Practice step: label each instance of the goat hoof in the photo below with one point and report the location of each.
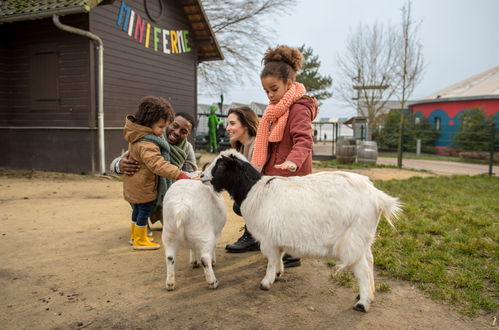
(264, 287)
(360, 308)
(213, 285)
(358, 297)
(195, 264)
(170, 286)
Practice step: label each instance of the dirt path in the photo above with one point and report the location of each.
(441, 167)
(66, 263)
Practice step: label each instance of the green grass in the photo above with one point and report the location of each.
(447, 241)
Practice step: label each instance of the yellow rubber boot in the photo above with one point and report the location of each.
(140, 241)
(132, 227)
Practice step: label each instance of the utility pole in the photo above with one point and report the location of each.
(364, 88)
(221, 104)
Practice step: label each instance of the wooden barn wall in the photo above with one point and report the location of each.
(21, 41)
(132, 71)
(45, 112)
(54, 128)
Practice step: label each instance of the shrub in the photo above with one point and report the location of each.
(387, 137)
(474, 132)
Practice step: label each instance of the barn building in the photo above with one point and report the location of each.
(63, 104)
(442, 108)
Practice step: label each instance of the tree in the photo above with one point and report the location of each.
(242, 37)
(410, 67)
(474, 132)
(367, 71)
(316, 85)
(387, 137)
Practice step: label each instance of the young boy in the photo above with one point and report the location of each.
(147, 145)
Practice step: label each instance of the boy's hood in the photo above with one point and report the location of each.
(134, 132)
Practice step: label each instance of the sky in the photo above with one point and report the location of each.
(460, 38)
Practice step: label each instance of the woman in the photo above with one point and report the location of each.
(242, 124)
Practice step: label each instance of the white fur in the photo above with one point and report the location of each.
(326, 215)
(193, 217)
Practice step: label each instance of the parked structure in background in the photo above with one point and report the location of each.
(49, 93)
(442, 108)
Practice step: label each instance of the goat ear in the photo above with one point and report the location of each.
(231, 160)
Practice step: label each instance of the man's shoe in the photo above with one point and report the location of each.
(245, 243)
(290, 261)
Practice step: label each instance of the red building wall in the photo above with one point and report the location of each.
(447, 113)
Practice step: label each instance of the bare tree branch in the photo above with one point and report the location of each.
(410, 66)
(367, 71)
(243, 38)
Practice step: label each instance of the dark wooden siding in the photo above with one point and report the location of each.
(31, 43)
(61, 150)
(132, 71)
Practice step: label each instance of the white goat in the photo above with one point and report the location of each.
(193, 216)
(328, 214)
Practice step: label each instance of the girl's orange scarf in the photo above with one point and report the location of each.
(272, 125)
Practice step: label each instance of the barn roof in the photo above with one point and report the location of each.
(480, 86)
(20, 10)
(208, 48)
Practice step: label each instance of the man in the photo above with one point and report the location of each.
(176, 135)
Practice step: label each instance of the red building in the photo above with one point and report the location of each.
(442, 108)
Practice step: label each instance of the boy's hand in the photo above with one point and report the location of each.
(287, 165)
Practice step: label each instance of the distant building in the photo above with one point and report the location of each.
(332, 127)
(442, 108)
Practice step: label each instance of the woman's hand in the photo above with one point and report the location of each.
(128, 166)
(287, 165)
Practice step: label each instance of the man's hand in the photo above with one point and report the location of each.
(287, 165)
(128, 166)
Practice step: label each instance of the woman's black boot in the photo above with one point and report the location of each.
(245, 243)
(290, 261)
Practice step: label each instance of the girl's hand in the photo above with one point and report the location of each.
(287, 165)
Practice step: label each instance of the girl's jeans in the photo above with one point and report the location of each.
(140, 213)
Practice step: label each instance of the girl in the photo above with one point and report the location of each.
(283, 144)
(242, 124)
(147, 145)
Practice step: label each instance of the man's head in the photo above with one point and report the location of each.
(180, 128)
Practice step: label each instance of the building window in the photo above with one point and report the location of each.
(44, 80)
(437, 123)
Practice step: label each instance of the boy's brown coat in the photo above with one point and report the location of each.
(142, 187)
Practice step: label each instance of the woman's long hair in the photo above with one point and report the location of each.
(248, 119)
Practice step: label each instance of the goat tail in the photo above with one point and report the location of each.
(390, 207)
(179, 214)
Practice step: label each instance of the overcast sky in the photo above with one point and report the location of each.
(460, 38)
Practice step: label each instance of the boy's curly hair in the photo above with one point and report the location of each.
(152, 109)
(283, 62)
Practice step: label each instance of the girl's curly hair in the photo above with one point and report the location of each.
(283, 62)
(152, 109)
